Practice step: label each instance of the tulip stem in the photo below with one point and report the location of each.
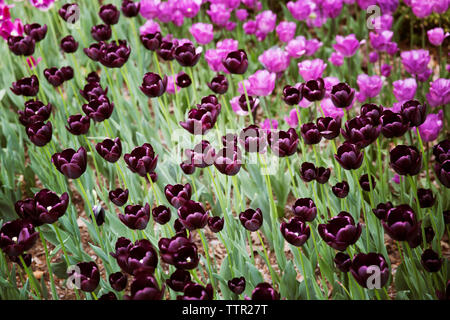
(363, 205)
(155, 58)
(208, 260)
(247, 100)
(194, 274)
(250, 244)
(30, 277)
(153, 188)
(292, 177)
(47, 261)
(165, 113)
(177, 110)
(194, 88)
(273, 275)
(63, 100)
(304, 274)
(238, 193)
(419, 212)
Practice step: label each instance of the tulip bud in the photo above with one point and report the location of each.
(236, 62)
(430, 261)
(264, 291)
(99, 214)
(296, 231)
(178, 280)
(78, 124)
(136, 217)
(329, 127)
(291, 95)
(110, 150)
(118, 281)
(362, 269)
(109, 14)
(342, 95)
(152, 85)
(71, 163)
(187, 55)
(219, 84)
(314, 90)
(161, 214)
(414, 112)
(192, 215)
(340, 231)
(130, 9)
(36, 31)
(382, 209)
(349, 156)
(237, 285)
(215, 224)
(406, 160)
(101, 32)
(310, 133)
(68, 44)
(87, 275)
(251, 219)
(343, 262)
(364, 182)
(40, 133)
(26, 86)
(341, 189)
(118, 196)
(21, 46)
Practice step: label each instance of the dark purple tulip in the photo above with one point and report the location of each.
(426, 198)
(114, 55)
(230, 140)
(198, 122)
(93, 91)
(446, 216)
(215, 224)
(310, 133)
(362, 272)
(151, 41)
(40, 133)
(340, 231)
(406, 160)
(94, 51)
(187, 55)
(236, 62)
(68, 44)
(67, 73)
(329, 127)
(202, 155)
(429, 234)
(28, 87)
(27, 258)
(253, 139)
(219, 84)
(188, 168)
(17, 236)
(21, 46)
(118, 196)
(99, 215)
(314, 90)
(178, 280)
(349, 156)
(70, 12)
(109, 14)
(360, 131)
(323, 175)
(145, 287)
(87, 275)
(441, 151)
(194, 291)
(130, 8)
(264, 291)
(179, 252)
(142, 160)
(71, 163)
(161, 214)
(372, 111)
(93, 77)
(342, 262)
(341, 189)
(364, 182)
(251, 219)
(211, 104)
(283, 143)
(26, 209)
(430, 261)
(101, 32)
(382, 209)
(296, 231)
(136, 217)
(54, 76)
(166, 49)
(237, 285)
(414, 112)
(393, 124)
(35, 31)
(34, 111)
(400, 223)
(152, 85)
(178, 194)
(78, 124)
(118, 281)
(134, 257)
(183, 80)
(308, 171)
(110, 296)
(442, 172)
(99, 109)
(342, 95)
(192, 215)
(48, 207)
(180, 229)
(291, 95)
(228, 161)
(110, 150)
(446, 294)
(305, 209)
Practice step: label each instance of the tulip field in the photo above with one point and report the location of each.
(224, 150)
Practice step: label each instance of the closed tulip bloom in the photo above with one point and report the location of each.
(118, 281)
(192, 215)
(178, 194)
(110, 150)
(178, 280)
(202, 155)
(47, 207)
(109, 14)
(342, 95)
(446, 216)
(87, 275)
(99, 109)
(343, 262)
(305, 209)
(430, 261)
(130, 8)
(349, 156)
(323, 175)
(179, 252)
(251, 219)
(71, 163)
(308, 171)
(183, 80)
(310, 133)
(101, 32)
(161, 214)
(296, 231)
(283, 143)
(194, 291)
(406, 160)
(114, 55)
(118, 196)
(70, 12)
(441, 151)
(340, 231)
(414, 112)
(291, 95)
(152, 85)
(426, 198)
(78, 124)
(21, 46)
(236, 62)
(442, 171)
(237, 285)
(167, 50)
(17, 236)
(199, 121)
(54, 76)
(219, 84)
(400, 223)
(26, 86)
(364, 182)
(67, 73)
(264, 291)
(314, 90)
(99, 215)
(151, 41)
(68, 44)
(382, 209)
(94, 51)
(40, 133)
(362, 269)
(242, 104)
(134, 257)
(361, 131)
(341, 189)
(145, 287)
(142, 160)
(373, 112)
(215, 224)
(93, 90)
(187, 55)
(228, 161)
(136, 217)
(329, 127)
(36, 31)
(393, 124)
